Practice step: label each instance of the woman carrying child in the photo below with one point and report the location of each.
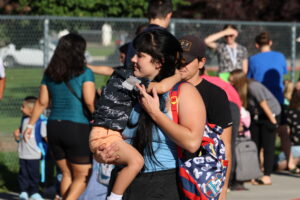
(151, 129)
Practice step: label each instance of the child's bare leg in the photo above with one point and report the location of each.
(134, 163)
(95, 139)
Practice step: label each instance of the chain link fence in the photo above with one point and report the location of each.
(27, 44)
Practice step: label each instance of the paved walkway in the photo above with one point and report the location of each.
(285, 187)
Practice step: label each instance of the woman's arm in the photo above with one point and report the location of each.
(102, 70)
(89, 92)
(39, 107)
(245, 66)
(191, 112)
(210, 40)
(266, 108)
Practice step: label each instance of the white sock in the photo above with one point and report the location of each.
(114, 196)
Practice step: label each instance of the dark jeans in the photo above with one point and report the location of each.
(263, 133)
(29, 176)
(235, 115)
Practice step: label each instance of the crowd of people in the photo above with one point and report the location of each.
(124, 144)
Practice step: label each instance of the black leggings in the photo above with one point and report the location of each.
(263, 133)
(160, 185)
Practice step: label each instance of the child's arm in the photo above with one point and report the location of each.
(165, 85)
(17, 134)
(102, 70)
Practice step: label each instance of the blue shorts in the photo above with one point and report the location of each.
(295, 152)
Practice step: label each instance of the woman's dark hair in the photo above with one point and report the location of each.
(229, 26)
(262, 39)
(68, 60)
(124, 48)
(295, 100)
(164, 48)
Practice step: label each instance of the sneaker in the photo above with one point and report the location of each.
(23, 196)
(36, 196)
(57, 197)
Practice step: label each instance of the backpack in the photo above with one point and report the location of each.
(42, 145)
(247, 163)
(202, 176)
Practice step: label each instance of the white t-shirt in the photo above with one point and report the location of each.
(2, 70)
(30, 150)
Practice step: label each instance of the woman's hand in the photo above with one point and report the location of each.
(107, 154)
(27, 134)
(273, 120)
(149, 103)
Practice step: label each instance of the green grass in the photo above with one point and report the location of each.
(102, 50)
(20, 83)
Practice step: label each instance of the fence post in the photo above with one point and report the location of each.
(293, 52)
(46, 42)
(172, 27)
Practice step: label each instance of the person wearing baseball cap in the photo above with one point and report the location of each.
(215, 99)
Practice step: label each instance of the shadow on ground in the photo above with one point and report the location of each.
(8, 178)
(9, 196)
(287, 173)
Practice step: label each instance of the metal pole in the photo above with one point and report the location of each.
(293, 53)
(46, 42)
(172, 27)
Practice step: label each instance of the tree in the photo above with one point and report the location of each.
(94, 8)
(250, 10)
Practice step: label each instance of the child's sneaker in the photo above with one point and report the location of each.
(23, 196)
(36, 196)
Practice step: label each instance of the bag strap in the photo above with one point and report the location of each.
(77, 97)
(174, 102)
(72, 90)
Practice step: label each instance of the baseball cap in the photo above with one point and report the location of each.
(192, 48)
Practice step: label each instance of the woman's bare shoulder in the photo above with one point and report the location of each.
(188, 88)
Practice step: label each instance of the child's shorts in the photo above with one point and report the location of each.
(100, 135)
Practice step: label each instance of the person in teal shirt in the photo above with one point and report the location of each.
(68, 86)
(65, 105)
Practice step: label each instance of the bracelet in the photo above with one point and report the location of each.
(29, 126)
